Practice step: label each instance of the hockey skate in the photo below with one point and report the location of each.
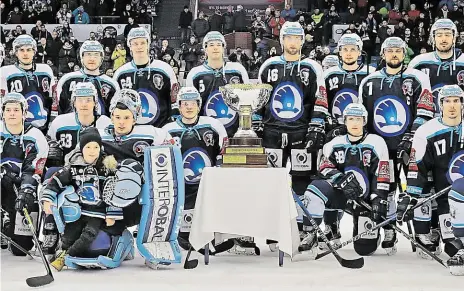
(332, 232)
(435, 237)
(309, 243)
(245, 246)
(389, 242)
(424, 240)
(456, 263)
(58, 262)
(5, 224)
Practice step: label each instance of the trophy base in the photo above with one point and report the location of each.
(244, 152)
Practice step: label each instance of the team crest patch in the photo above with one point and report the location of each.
(407, 87)
(366, 156)
(105, 91)
(158, 81)
(384, 172)
(139, 147)
(460, 78)
(45, 85)
(426, 101)
(304, 75)
(208, 138)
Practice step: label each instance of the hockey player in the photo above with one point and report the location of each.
(295, 115)
(63, 136)
(208, 77)
(354, 167)
(34, 81)
(443, 66)
(23, 151)
(156, 82)
(91, 54)
(438, 147)
(200, 139)
(86, 172)
(342, 81)
(398, 101)
(329, 62)
(63, 132)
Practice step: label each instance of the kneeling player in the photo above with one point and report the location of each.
(354, 167)
(200, 139)
(438, 147)
(23, 151)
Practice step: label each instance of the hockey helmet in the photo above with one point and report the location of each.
(131, 99)
(14, 97)
(214, 36)
(330, 61)
(85, 89)
(24, 40)
(355, 109)
(291, 28)
(188, 93)
(393, 42)
(450, 91)
(138, 32)
(443, 24)
(91, 46)
(350, 39)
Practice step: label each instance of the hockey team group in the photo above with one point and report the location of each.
(74, 153)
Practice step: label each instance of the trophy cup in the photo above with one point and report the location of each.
(245, 148)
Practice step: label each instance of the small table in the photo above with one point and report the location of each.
(256, 202)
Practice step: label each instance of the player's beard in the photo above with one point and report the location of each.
(445, 50)
(394, 66)
(292, 51)
(350, 63)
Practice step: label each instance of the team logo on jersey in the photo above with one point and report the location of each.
(208, 138)
(139, 148)
(391, 116)
(158, 81)
(217, 108)
(234, 80)
(105, 91)
(361, 177)
(460, 78)
(287, 102)
(45, 85)
(456, 167)
(366, 156)
(150, 106)
(407, 87)
(435, 91)
(195, 160)
(36, 113)
(342, 99)
(304, 75)
(90, 194)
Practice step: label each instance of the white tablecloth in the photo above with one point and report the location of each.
(253, 202)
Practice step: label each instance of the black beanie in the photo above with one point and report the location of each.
(88, 135)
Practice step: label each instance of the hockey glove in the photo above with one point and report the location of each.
(55, 154)
(337, 131)
(25, 199)
(8, 177)
(404, 210)
(315, 137)
(349, 185)
(379, 209)
(404, 147)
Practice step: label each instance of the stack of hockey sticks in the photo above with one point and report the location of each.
(386, 222)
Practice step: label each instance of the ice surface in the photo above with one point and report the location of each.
(404, 271)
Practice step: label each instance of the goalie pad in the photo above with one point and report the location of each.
(118, 248)
(67, 208)
(125, 188)
(162, 203)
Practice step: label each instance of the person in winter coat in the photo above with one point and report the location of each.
(67, 54)
(200, 26)
(190, 53)
(288, 13)
(80, 16)
(240, 19)
(229, 20)
(216, 21)
(119, 56)
(185, 24)
(276, 23)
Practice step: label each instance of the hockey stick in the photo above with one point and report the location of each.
(355, 238)
(352, 264)
(409, 237)
(408, 224)
(17, 245)
(39, 280)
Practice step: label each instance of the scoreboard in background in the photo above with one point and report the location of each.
(250, 6)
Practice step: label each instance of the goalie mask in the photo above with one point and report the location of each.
(131, 99)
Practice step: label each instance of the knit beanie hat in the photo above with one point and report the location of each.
(88, 135)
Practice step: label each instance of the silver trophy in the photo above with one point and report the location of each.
(246, 99)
